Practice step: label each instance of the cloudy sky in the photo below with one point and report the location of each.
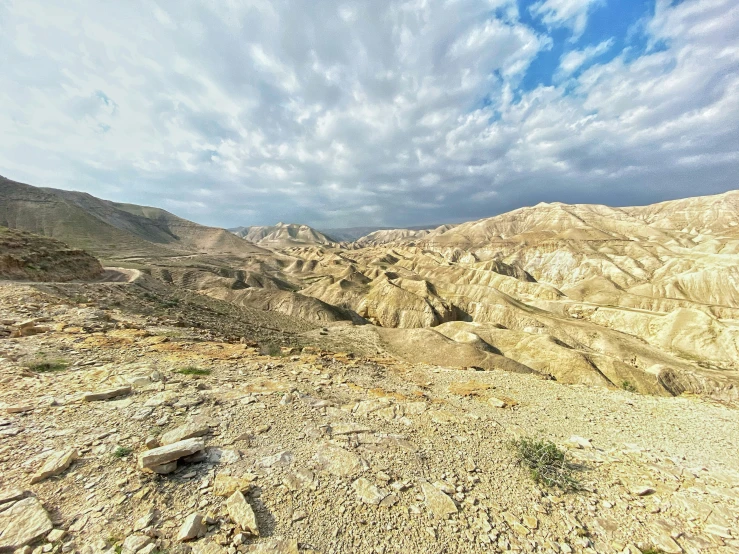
(382, 112)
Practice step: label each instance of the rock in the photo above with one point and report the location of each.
(367, 492)
(22, 523)
(191, 429)
(106, 394)
(226, 485)
(55, 464)
(193, 527)
(275, 546)
(299, 479)
(241, 513)
(170, 453)
(10, 495)
(145, 521)
(579, 442)
(469, 465)
(164, 469)
(207, 547)
(719, 531)
(530, 522)
(19, 408)
(56, 535)
(337, 461)
(643, 490)
(134, 543)
(496, 402)
(348, 428)
(437, 502)
(279, 459)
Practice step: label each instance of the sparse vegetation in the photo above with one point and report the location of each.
(193, 370)
(628, 386)
(546, 462)
(48, 365)
(652, 550)
(122, 452)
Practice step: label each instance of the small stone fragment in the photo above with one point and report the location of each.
(241, 513)
(437, 502)
(337, 461)
(170, 453)
(496, 402)
(106, 394)
(275, 546)
(55, 464)
(56, 535)
(643, 490)
(134, 543)
(367, 492)
(192, 429)
(226, 485)
(193, 527)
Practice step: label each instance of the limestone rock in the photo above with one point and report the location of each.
(337, 461)
(241, 513)
(170, 453)
(22, 523)
(107, 394)
(55, 464)
(367, 492)
(207, 547)
(226, 485)
(275, 546)
(134, 543)
(437, 502)
(193, 527)
(192, 429)
(10, 495)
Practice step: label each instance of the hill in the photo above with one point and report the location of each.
(110, 229)
(283, 235)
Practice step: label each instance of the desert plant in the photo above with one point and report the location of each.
(122, 452)
(628, 386)
(546, 462)
(47, 366)
(192, 370)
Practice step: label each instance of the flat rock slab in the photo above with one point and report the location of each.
(275, 546)
(106, 394)
(55, 464)
(170, 453)
(367, 492)
(226, 485)
(242, 514)
(193, 527)
(11, 495)
(337, 461)
(437, 502)
(22, 523)
(191, 429)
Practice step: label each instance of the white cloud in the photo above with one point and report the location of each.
(345, 113)
(574, 59)
(566, 13)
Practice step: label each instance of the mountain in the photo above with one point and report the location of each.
(388, 236)
(351, 234)
(110, 229)
(283, 235)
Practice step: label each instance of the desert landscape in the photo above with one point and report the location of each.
(559, 378)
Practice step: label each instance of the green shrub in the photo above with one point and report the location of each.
(628, 386)
(122, 452)
(192, 370)
(47, 366)
(546, 462)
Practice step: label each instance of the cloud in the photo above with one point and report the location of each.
(574, 59)
(566, 13)
(348, 113)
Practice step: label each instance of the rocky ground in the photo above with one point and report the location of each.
(125, 431)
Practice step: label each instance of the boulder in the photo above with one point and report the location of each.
(22, 523)
(150, 459)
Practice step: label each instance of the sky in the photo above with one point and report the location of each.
(385, 112)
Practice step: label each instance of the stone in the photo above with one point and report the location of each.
(191, 429)
(643, 490)
(107, 394)
(164, 469)
(22, 523)
(145, 521)
(207, 547)
(226, 485)
(437, 502)
(496, 402)
(579, 442)
(241, 513)
(719, 531)
(298, 479)
(469, 465)
(337, 461)
(19, 408)
(348, 428)
(134, 543)
(275, 546)
(55, 464)
(170, 453)
(367, 492)
(530, 522)
(193, 527)
(280, 459)
(11, 495)
(56, 535)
